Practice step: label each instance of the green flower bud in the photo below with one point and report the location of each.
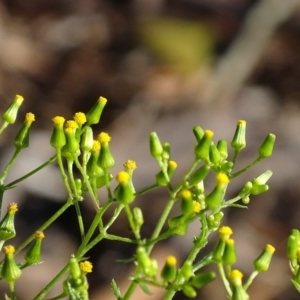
(199, 133)
(238, 292)
(214, 155)
(222, 147)
(263, 178)
(58, 139)
(202, 279)
(22, 138)
(266, 148)
(203, 147)
(293, 244)
(187, 206)
(215, 199)
(123, 191)
(226, 166)
(138, 218)
(94, 114)
(187, 270)
(152, 270)
(160, 176)
(33, 255)
(71, 149)
(246, 189)
(224, 233)
(143, 259)
(156, 149)
(168, 273)
(259, 189)
(101, 181)
(10, 114)
(262, 263)
(179, 224)
(105, 160)
(167, 152)
(199, 175)
(7, 227)
(10, 270)
(189, 291)
(92, 168)
(239, 139)
(229, 255)
(87, 140)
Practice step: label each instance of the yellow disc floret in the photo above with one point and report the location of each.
(236, 274)
(86, 266)
(58, 120)
(241, 122)
(222, 178)
(80, 118)
(270, 248)
(123, 177)
(172, 164)
(104, 137)
(9, 249)
(209, 133)
(186, 194)
(29, 118)
(19, 99)
(102, 100)
(225, 231)
(12, 207)
(71, 124)
(130, 164)
(196, 207)
(39, 235)
(171, 260)
(96, 147)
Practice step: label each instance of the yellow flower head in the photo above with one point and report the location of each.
(225, 231)
(58, 120)
(270, 248)
(19, 99)
(102, 100)
(222, 178)
(172, 164)
(86, 266)
(171, 260)
(12, 207)
(71, 124)
(9, 249)
(29, 118)
(130, 165)
(123, 177)
(196, 207)
(39, 235)
(80, 118)
(241, 122)
(96, 146)
(104, 137)
(208, 133)
(236, 274)
(186, 194)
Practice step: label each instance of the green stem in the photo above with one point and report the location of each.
(131, 223)
(147, 189)
(45, 225)
(246, 168)
(250, 280)
(224, 279)
(4, 125)
(9, 165)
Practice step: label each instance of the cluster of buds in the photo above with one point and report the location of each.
(293, 253)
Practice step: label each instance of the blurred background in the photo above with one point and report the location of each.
(164, 66)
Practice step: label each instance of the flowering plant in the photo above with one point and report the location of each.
(85, 166)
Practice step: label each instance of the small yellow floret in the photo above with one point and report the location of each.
(96, 147)
(80, 118)
(29, 118)
(123, 177)
(130, 164)
(225, 231)
(222, 178)
(19, 99)
(242, 122)
(39, 235)
(270, 248)
(186, 194)
(102, 100)
(86, 266)
(196, 207)
(9, 249)
(12, 207)
(230, 242)
(69, 130)
(171, 260)
(71, 124)
(208, 133)
(58, 120)
(172, 164)
(236, 274)
(104, 137)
